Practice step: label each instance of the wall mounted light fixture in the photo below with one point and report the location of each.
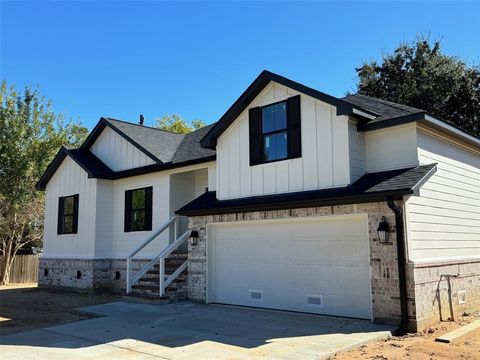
(383, 230)
(193, 238)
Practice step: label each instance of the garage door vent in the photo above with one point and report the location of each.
(256, 295)
(314, 300)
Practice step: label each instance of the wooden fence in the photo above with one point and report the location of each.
(24, 269)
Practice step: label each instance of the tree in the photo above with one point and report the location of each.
(30, 136)
(420, 75)
(177, 124)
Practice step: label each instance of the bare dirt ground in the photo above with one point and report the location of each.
(423, 345)
(25, 307)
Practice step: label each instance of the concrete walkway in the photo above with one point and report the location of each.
(192, 331)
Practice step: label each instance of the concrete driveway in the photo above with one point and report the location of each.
(192, 331)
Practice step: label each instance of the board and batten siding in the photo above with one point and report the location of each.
(112, 241)
(325, 152)
(70, 179)
(357, 151)
(391, 148)
(444, 221)
(118, 153)
(104, 219)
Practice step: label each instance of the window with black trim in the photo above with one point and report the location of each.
(275, 131)
(138, 209)
(67, 215)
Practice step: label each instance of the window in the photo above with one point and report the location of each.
(274, 132)
(67, 215)
(138, 209)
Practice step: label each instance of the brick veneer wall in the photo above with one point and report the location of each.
(96, 274)
(383, 257)
(436, 287)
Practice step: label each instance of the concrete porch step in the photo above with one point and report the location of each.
(180, 279)
(175, 255)
(171, 263)
(153, 287)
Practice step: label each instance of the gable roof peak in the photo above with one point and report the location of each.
(254, 89)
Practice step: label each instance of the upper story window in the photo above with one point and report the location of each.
(275, 132)
(67, 215)
(138, 209)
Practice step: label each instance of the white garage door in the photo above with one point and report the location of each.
(316, 265)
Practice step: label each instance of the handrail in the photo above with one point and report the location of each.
(131, 280)
(165, 252)
(174, 275)
(151, 238)
(163, 283)
(173, 246)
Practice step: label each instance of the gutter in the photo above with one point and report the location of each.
(401, 254)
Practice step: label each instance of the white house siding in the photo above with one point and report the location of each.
(212, 176)
(325, 152)
(357, 151)
(444, 221)
(70, 179)
(391, 148)
(104, 221)
(117, 153)
(111, 240)
(201, 182)
(125, 242)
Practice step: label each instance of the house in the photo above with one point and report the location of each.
(294, 200)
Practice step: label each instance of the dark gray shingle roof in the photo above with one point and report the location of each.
(84, 158)
(91, 164)
(162, 144)
(384, 109)
(190, 147)
(167, 146)
(369, 188)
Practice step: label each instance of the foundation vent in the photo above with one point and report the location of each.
(256, 295)
(314, 300)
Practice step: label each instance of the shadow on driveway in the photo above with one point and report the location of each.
(187, 329)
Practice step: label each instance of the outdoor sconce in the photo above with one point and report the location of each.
(383, 230)
(193, 238)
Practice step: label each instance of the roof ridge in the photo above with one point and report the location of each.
(388, 102)
(144, 126)
(203, 127)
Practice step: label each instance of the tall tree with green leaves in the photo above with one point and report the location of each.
(30, 136)
(177, 124)
(419, 74)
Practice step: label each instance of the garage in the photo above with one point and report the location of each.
(316, 265)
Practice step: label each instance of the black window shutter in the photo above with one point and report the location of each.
(60, 215)
(148, 208)
(75, 213)
(294, 127)
(128, 211)
(255, 130)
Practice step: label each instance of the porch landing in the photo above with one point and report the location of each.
(194, 331)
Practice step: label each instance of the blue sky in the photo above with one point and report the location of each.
(122, 59)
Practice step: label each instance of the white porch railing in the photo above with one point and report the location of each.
(163, 283)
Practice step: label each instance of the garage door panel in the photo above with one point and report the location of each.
(333, 304)
(292, 252)
(348, 279)
(287, 260)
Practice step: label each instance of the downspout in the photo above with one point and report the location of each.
(399, 230)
